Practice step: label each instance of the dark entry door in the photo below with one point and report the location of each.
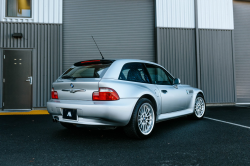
(17, 79)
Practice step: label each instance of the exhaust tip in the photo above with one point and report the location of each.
(56, 119)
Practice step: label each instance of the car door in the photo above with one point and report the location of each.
(173, 98)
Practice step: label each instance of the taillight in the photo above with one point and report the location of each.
(105, 94)
(54, 94)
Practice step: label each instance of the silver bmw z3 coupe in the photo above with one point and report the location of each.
(128, 93)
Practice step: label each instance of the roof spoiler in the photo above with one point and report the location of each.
(95, 61)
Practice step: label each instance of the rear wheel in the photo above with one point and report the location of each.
(68, 125)
(142, 121)
(199, 108)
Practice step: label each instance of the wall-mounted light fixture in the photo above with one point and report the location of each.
(17, 35)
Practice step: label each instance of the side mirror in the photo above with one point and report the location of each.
(177, 81)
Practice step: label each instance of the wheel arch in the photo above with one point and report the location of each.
(152, 99)
(201, 93)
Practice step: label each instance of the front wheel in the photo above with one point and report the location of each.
(142, 121)
(199, 108)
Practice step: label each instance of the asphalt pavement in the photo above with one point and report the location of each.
(36, 140)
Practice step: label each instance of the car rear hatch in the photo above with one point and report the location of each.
(81, 80)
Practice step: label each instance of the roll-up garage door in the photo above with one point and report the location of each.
(121, 28)
(242, 50)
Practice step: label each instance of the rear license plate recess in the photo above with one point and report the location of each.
(70, 114)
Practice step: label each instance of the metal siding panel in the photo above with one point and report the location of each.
(61, 50)
(35, 11)
(60, 14)
(242, 50)
(178, 56)
(40, 13)
(122, 29)
(46, 11)
(1, 34)
(51, 12)
(46, 62)
(175, 13)
(1, 11)
(49, 60)
(45, 42)
(56, 9)
(1, 74)
(214, 14)
(217, 66)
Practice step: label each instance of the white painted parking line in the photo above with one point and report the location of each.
(227, 122)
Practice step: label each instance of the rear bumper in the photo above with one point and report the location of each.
(94, 113)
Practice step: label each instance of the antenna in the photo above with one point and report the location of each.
(97, 47)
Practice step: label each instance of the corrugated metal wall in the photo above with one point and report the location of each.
(176, 52)
(177, 47)
(45, 41)
(1, 76)
(122, 29)
(1, 9)
(47, 11)
(216, 57)
(242, 50)
(215, 14)
(175, 13)
(43, 11)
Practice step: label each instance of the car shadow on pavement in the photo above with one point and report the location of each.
(88, 133)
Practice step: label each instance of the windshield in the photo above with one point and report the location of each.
(86, 71)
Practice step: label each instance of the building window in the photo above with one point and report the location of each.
(18, 8)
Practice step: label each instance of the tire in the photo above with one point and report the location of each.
(142, 121)
(199, 108)
(68, 125)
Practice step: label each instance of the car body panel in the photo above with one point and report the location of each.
(178, 101)
(82, 88)
(116, 113)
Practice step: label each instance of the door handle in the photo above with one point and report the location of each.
(164, 91)
(29, 80)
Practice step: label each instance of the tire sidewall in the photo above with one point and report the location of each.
(199, 95)
(135, 118)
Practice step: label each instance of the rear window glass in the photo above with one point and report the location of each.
(86, 71)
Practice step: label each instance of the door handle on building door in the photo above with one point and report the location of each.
(29, 80)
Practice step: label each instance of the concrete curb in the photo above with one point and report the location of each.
(33, 112)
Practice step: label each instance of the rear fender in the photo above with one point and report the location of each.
(132, 90)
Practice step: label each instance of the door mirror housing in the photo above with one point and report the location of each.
(177, 81)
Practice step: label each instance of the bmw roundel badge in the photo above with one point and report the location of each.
(72, 86)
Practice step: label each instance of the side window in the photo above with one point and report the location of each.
(159, 75)
(134, 72)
